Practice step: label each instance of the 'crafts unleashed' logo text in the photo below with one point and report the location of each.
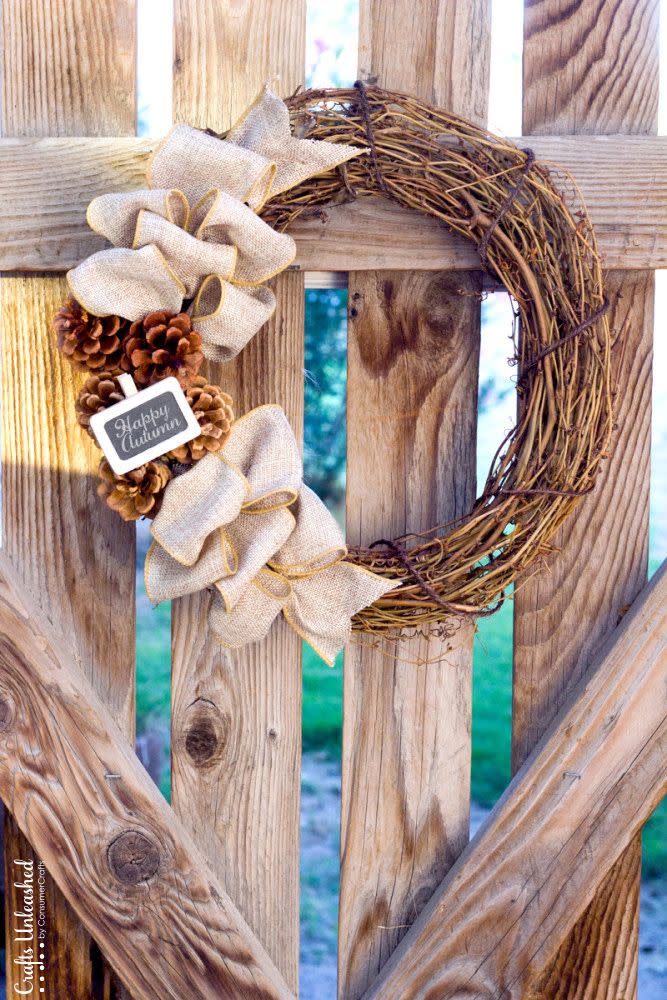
(29, 930)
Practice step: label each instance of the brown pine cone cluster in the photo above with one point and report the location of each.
(135, 494)
(160, 345)
(89, 342)
(213, 409)
(99, 391)
(151, 349)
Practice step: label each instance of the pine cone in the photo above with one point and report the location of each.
(213, 409)
(162, 344)
(134, 494)
(89, 342)
(99, 391)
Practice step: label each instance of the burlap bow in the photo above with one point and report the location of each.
(242, 523)
(194, 234)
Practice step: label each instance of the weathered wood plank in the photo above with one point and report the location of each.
(69, 68)
(46, 184)
(61, 76)
(603, 550)
(406, 731)
(590, 68)
(123, 860)
(593, 68)
(242, 802)
(412, 384)
(581, 797)
(560, 617)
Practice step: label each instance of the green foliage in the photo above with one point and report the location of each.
(325, 391)
(153, 662)
(654, 844)
(154, 675)
(325, 348)
(322, 703)
(492, 706)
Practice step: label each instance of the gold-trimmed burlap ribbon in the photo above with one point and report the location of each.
(195, 233)
(242, 523)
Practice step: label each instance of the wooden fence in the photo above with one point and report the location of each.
(546, 898)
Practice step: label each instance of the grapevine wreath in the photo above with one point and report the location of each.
(185, 281)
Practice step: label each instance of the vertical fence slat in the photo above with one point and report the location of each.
(593, 68)
(242, 803)
(67, 69)
(412, 389)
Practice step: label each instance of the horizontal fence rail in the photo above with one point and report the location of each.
(46, 185)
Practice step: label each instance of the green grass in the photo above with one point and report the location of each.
(492, 706)
(323, 709)
(492, 689)
(153, 663)
(154, 676)
(322, 703)
(491, 729)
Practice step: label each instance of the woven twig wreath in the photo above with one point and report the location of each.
(545, 256)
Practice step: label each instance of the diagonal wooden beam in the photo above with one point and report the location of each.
(118, 853)
(589, 786)
(46, 184)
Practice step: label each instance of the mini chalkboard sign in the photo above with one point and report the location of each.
(146, 424)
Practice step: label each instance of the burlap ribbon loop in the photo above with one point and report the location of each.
(239, 522)
(259, 158)
(228, 317)
(242, 523)
(195, 234)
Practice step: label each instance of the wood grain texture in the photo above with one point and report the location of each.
(593, 68)
(590, 67)
(536, 862)
(616, 903)
(46, 185)
(61, 76)
(240, 797)
(243, 805)
(117, 851)
(434, 50)
(600, 567)
(68, 67)
(603, 548)
(413, 360)
(226, 50)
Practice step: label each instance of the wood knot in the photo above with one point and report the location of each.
(133, 857)
(206, 733)
(201, 742)
(6, 711)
